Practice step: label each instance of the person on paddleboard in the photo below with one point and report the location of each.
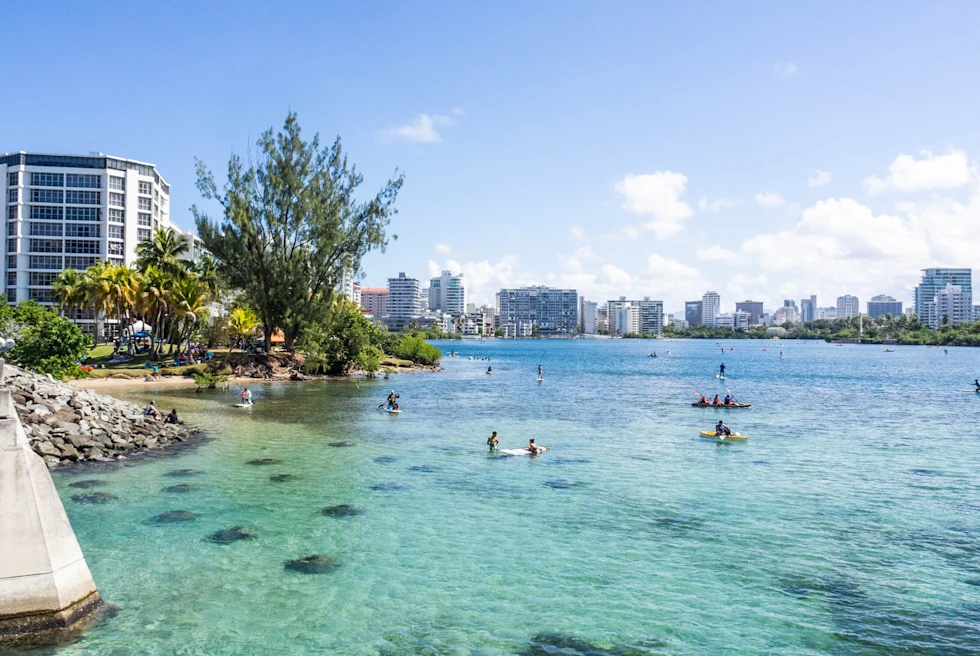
(976, 381)
(540, 372)
(534, 448)
(721, 369)
(492, 441)
(392, 401)
(246, 396)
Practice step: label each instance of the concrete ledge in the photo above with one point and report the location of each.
(50, 626)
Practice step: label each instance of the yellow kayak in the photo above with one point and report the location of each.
(733, 436)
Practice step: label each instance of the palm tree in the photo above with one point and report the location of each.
(69, 290)
(124, 288)
(157, 302)
(241, 322)
(164, 250)
(189, 306)
(98, 285)
(206, 269)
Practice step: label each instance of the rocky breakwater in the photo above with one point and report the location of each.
(67, 425)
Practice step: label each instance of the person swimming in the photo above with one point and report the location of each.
(492, 441)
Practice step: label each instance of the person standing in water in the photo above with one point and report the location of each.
(492, 442)
(540, 373)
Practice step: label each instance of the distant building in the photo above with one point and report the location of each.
(738, 321)
(787, 313)
(910, 312)
(692, 313)
(350, 288)
(404, 302)
(754, 309)
(808, 309)
(447, 294)
(976, 313)
(627, 320)
(883, 305)
(550, 311)
(710, 307)
(588, 317)
(848, 306)
(375, 300)
(935, 282)
(649, 316)
(829, 313)
(680, 324)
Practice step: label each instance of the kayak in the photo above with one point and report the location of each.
(730, 405)
(520, 452)
(733, 436)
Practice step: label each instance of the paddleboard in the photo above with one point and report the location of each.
(733, 436)
(520, 452)
(244, 405)
(392, 411)
(540, 380)
(969, 390)
(719, 377)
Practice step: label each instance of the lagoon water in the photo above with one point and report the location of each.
(848, 524)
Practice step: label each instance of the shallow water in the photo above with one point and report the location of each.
(849, 523)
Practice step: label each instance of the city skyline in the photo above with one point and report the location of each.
(750, 180)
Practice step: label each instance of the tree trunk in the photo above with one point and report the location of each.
(267, 331)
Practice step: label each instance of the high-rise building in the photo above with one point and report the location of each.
(404, 301)
(69, 211)
(693, 312)
(627, 320)
(829, 313)
(976, 313)
(952, 305)
(588, 317)
(447, 294)
(754, 309)
(808, 309)
(882, 305)
(935, 281)
(650, 316)
(710, 307)
(786, 313)
(848, 306)
(546, 310)
(375, 300)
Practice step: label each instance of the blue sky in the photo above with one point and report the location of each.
(766, 150)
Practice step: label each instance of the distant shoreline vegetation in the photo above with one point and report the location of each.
(880, 330)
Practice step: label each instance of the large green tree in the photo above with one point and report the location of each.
(292, 225)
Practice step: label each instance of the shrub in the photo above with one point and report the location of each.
(47, 343)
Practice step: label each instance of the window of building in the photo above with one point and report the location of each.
(144, 204)
(12, 245)
(156, 209)
(83, 197)
(12, 229)
(11, 279)
(156, 195)
(80, 263)
(45, 245)
(13, 179)
(42, 278)
(115, 248)
(116, 261)
(46, 213)
(83, 230)
(115, 232)
(11, 261)
(80, 246)
(45, 229)
(82, 213)
(45, 262)
(13, 195)
(83, 180)
(117, 216)
(11, 295)
(42, 295)
(143, 219)
(12, 211)
(47, 180)
(47, 196)
(142, 234)
(145, 187)
(117, 184)
(117, 200)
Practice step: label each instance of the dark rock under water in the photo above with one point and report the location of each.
(385, 460)
(388, 487)
(339, 445)
(263, 461)
(183, 473)
(282, 478)
(233, 534)
(94, 497)
(343, 510)
(557, 644)
(561, 484)
(182, 488)
(424, 469)
(175, 516)
(315, 564)
(91, 482)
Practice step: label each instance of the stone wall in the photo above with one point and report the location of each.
(67, 425)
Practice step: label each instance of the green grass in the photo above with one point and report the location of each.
(99, 357)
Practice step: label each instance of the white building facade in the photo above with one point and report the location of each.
(848, 306)
(69, 211)
(547, 310)
(404, 302)
(589, 317)
(447, 294)
(710, 307)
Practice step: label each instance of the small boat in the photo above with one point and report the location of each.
(698, 404)
(888, 350)
(733, 436)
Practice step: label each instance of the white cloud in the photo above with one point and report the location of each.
(818, 179)
(718, 204)
(714, 253)
(907, 173)
(657, 195)
(769, 199)
(423, 128)
(443, 249)
(576, 232)
(785, 69)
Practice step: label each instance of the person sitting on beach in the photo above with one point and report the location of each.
(492, 441)
(151, 411)
(172, 417)
(716, 401)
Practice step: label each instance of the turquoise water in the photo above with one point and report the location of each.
(848, 524)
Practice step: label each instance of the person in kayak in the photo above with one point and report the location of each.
(492, 441)
(728, 399)
(721, 430)
(704, 400)
(721, 369)
(716, 401)
(534, 448)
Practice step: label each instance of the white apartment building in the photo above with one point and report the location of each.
(404, 302)
(951, 304)
(447, 294)
(934, 282)
(69, 211)
(710, 307)
(848, 306)
(589, 317)
(784, 314)
(627, 320)
(650, 321)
